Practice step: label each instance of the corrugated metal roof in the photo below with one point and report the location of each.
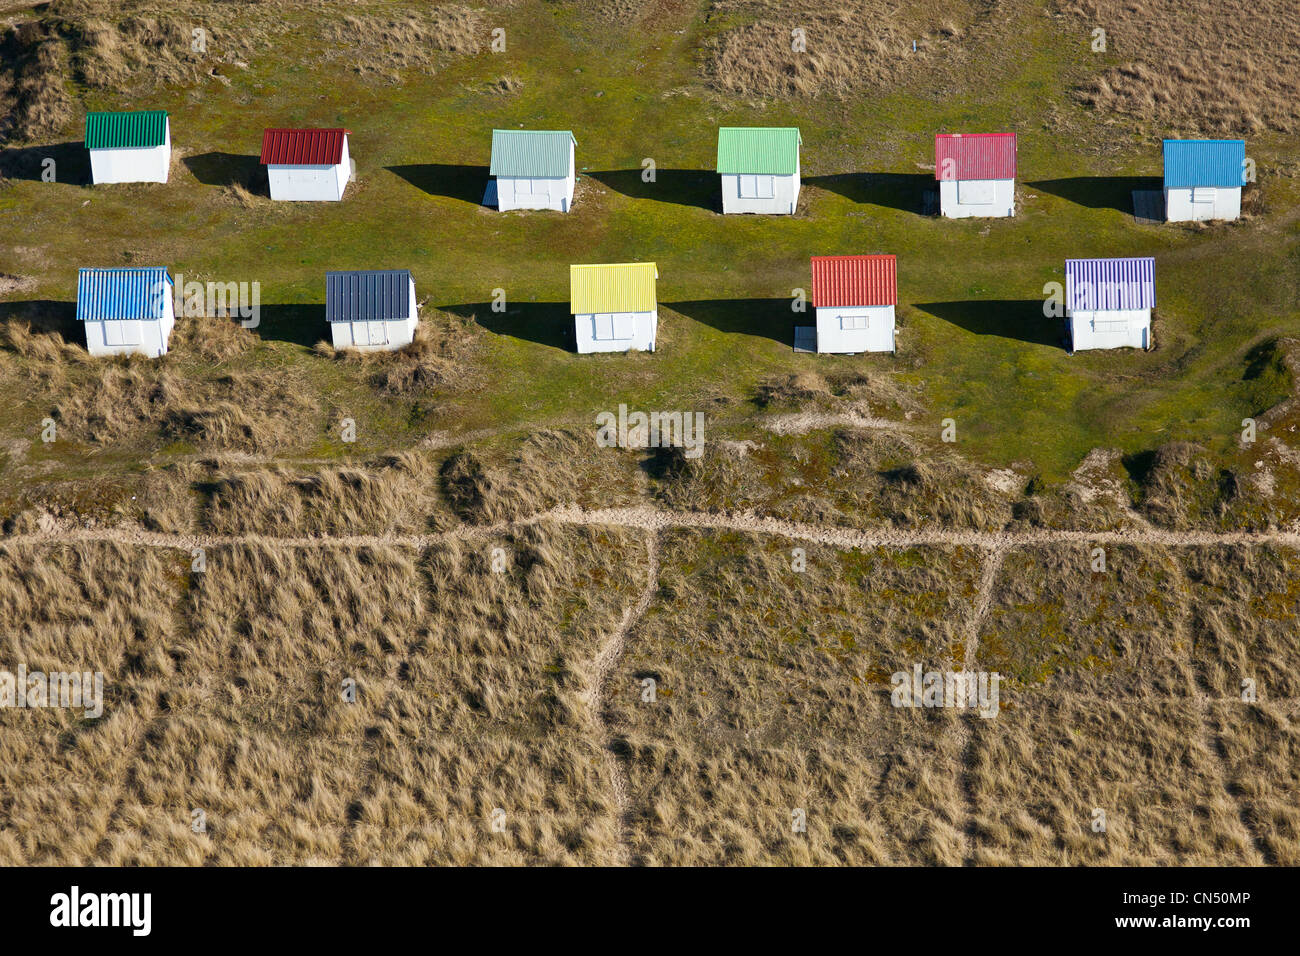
(122, 293)
(531, 153)
(974, 156)
(1102, 284)
(303, 147)
(1204, 162)
(854, 281)
(372, 295)
(612, 287)
(759, 150)
(138, 130)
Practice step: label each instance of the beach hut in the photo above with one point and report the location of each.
(126, 311)
(976, 173)
(854, 299)
(759, 167)
(1203, 179)
(131, 147)
(307, 165)
(1108, 302)
(533, 168)
(614, 306)
(371, 310)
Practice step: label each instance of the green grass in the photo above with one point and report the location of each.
(972, 342)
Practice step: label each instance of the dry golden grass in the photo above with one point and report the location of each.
(438, 356)
(384, 44)
(1041, 768)
(139, 51)
(1234, 72)
(47, 349)
(543, 470)
(138, 396)
(83, 608)
(1261, 753)
(1182, 486)
(34, 101)
(745, 649)
(392, 497)
(847, 49)
(772, 693)
(469, 697)
(430, 800)
(1053, 620)
(106, 44)
(698, 803)
(1244, 603)
(473, 694)
(224, 694)
(100, 402)
(834, 475)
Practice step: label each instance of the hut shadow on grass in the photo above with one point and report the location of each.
(466, 183)
(228, 169)
(683, 187)
(1099, 192)
(303, 325)
(768, 318)
(71, 163)
(1019, 319)
(545, 323)
(903, 191)
(44, 315)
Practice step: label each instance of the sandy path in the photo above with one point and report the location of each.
(651, 519)
(962, 725)
(602, 671)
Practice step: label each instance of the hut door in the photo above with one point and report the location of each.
(378, 333)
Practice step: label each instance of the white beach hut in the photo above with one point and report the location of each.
(614, 306)
(372, 310)
(126, 311)
(759, 168)
(854, 298)
(534, 169)
(1203, 179)
(976, 173)
(131, 147)
(307, 165)
(1108, 302)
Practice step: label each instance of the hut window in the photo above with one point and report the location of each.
(623, 325)
(756, 187)
(121, 332)
(975, 192)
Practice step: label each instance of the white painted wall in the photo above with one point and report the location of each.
(986, 198)
(147, 337)
(863, 328)
(617, 331)
(776, 195)
(1212, 203)
(1110, 329)
(323, 183)
(542, 193)
(145, 165)
(379, 335)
